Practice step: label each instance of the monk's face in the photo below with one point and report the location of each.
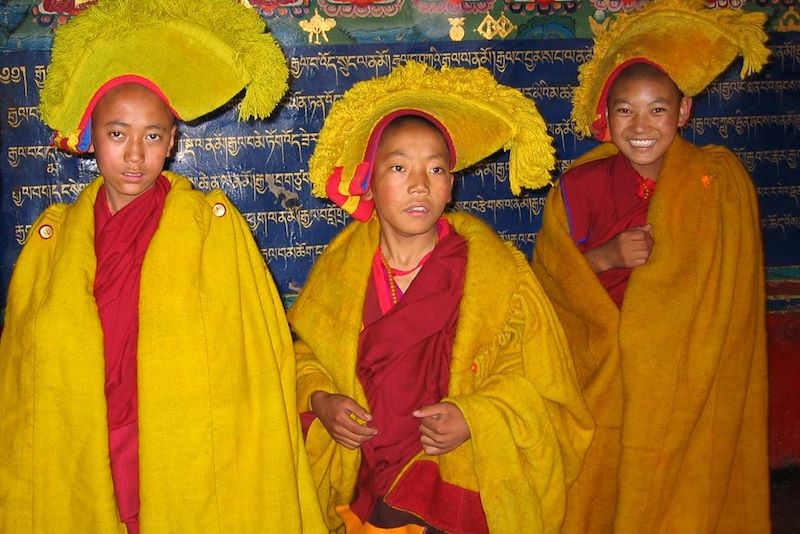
(644, 114)
(132, 135)
(411, 182)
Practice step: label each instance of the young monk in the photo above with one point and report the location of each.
(436, 389)
(651, 254)
(146, 366)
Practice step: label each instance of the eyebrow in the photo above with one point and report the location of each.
(123, 123)
(627, 101)
(402, 152)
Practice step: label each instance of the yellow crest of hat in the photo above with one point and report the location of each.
(199, 53)
(480, 115)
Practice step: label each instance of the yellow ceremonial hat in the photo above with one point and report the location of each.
(477, 116)
(688, 41)
(195, 54)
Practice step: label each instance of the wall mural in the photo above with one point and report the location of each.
(534, 45)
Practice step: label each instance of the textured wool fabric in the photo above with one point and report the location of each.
(197, 55)
(480, 116)
(219, 443)
(510, 375)
(676, 379)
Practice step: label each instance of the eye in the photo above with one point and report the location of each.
(153, 137)
(397, 168)
(438, 170)
(622, 110)
(115, 134)
(659, 110)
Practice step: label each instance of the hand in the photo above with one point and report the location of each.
(337, 412)
(442, 426)
(628, 249)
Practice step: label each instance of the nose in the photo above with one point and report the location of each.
(134, 152)
(639, 122)
(419, 182)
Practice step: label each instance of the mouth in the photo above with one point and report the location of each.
(641, 143)
(417, 210)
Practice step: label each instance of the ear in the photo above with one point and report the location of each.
(172, 133)
(684, 111)
(452, 180)
(90, 150)
(368, 194)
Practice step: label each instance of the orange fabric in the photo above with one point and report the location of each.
(353, 525)
(676, 379)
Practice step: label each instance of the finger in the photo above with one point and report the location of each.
(433, 422)
(431, 432)
(357, 429)
(433, 451)
(346, 439)
(640, 236)
(356, 409)
(428, 441)
(351, 438)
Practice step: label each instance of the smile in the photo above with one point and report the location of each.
(641, 143)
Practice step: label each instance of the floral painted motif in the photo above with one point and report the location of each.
(543, 7)
(360, 8)
(273, 8)
(453, 6)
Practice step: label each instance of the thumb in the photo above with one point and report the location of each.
(427, 411)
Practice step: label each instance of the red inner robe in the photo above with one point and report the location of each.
(404, 364)
(121, 241)
(602, 198)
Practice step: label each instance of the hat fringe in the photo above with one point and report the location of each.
(744, 30)
(532, 155)
(258, 57)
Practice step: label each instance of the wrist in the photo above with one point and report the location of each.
(317, 395)
(596, 260)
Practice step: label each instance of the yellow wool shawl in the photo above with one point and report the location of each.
(677, 379)
(219, 443)
(510, 375)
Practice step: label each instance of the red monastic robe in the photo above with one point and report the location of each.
(121, 241)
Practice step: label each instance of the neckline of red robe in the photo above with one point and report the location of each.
(121, 241)
(404, 364)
